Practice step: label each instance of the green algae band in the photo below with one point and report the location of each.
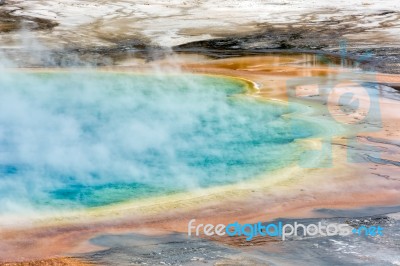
(70, 140)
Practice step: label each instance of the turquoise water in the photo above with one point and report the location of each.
(69, 140)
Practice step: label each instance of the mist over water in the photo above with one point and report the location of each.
(70, 140)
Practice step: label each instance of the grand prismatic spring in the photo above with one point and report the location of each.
(127, 136)
(199, 133)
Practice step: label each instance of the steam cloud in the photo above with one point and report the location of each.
(72, 139)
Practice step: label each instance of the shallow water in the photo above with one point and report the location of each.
(180, 249)
(70, 140)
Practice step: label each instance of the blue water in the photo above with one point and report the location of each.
(90, 139)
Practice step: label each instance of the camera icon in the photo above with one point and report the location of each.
(343, 107)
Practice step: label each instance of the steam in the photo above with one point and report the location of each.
(89, 138)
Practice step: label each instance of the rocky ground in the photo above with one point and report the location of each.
(99, 32)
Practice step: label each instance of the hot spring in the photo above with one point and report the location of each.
(73, 140)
